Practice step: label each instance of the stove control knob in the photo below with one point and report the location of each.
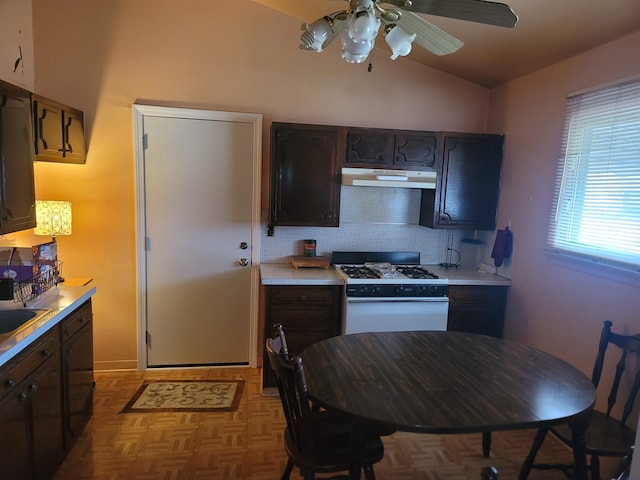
(363, 291)
(375, 291)
(422, 289)
(399, 290)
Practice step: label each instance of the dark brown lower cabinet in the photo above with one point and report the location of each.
(46, 398)
(14, 443)
(307, 313)
(31, 441)
(477, 309)
(78, 381)
(43, 388)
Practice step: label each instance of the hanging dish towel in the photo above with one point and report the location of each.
(502, 247)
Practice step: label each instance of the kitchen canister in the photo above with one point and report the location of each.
(309, 248)
(470, 252)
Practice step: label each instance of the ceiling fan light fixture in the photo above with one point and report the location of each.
(398, 40)
(355, 52)
(359, 24)
(363, 24)
(315, 35)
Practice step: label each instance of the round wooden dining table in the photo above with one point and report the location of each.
(447, 383)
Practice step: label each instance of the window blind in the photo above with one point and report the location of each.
(596, 206)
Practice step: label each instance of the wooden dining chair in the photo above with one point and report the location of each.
(605, 435)
(315, 441)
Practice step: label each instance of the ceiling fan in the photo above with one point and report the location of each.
(359, 25)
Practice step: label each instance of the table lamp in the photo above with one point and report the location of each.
(53, 217)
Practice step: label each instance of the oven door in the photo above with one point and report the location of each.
(394, 314)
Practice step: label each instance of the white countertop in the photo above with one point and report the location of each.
(285, 274)
(60, 301)
(467, 276)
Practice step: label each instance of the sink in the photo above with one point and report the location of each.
(11, 320)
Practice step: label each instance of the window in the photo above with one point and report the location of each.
(596, 207)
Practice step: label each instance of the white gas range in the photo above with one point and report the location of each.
(390, 291)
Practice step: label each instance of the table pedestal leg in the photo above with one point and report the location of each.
(357, 451)
(578, 429)
(486, 444)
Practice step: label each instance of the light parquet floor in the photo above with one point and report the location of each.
(248, 443)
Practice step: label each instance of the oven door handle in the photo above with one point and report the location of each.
(396, 299)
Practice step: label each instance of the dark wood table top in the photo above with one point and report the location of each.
(444, 382)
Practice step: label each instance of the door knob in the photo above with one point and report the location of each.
(244, 262)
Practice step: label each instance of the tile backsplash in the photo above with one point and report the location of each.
(371, 218)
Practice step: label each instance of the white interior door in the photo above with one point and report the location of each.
(199, 210)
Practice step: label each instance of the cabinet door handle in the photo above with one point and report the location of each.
(67, 146)
(33, 387)
(46, 353)
(9, 383)
(81, 319)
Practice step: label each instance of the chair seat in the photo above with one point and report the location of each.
(332, 445)
(605, 435)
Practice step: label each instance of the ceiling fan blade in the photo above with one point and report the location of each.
(428, 36)
(480, 11)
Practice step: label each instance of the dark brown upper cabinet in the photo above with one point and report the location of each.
(17, 189)
(305, 182)
(466, 194)
(391, 149)
(59, 132)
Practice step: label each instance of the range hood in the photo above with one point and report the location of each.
(373, 177)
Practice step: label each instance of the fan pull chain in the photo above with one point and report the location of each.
(370, 67)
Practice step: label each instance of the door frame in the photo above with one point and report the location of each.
(140, 111)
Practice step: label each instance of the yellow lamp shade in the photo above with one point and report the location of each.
(53, 217)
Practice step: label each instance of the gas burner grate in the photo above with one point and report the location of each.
(416, 272)
(358, 271)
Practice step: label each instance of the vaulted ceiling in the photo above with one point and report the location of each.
(547, 31)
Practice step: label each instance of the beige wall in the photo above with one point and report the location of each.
(102, 55)
(556, 306)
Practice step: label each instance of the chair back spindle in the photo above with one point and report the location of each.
(627, 344)
(316, 441)
(292, 387)
(278, 333)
